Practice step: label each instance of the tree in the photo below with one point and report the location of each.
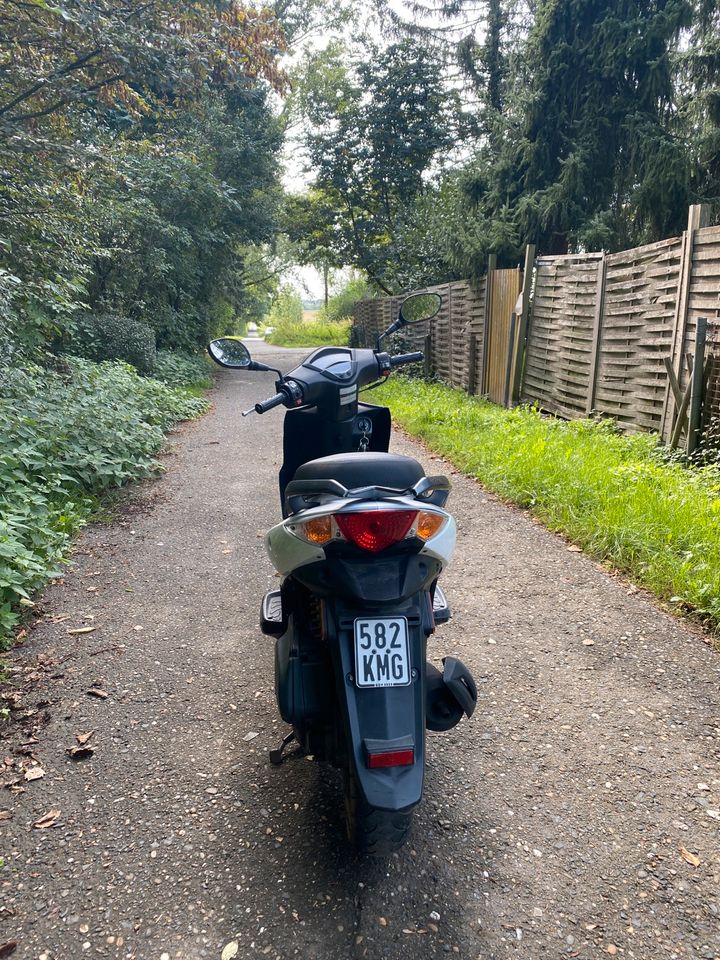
(588, 155)
(117, 123)
(699, 101)
(374, 136)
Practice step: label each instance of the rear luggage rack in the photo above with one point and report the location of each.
(305, 494)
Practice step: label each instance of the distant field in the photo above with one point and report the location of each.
(310, 315)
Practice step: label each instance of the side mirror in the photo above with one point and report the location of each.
(419, 307)
(414, 309)
(229, 352)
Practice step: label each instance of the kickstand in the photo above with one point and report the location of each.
(276, 755)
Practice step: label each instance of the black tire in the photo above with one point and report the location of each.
(373, 832)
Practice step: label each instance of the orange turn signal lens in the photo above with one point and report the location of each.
(428, 524)
(319, 530)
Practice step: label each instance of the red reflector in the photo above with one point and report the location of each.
(375, 530)
(392, 758)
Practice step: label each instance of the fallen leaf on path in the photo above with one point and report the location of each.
(230, 950)
(80, 753)
(82, 738)
(573, 548)
(81, 630)
(49, 820)
(7, 948)
(588, 643)
(97, 692)
(5, 814)
(249, 736)
(690, 858)
(382, 921)
(34, 773)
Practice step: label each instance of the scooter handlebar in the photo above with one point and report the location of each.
(264, 405)
(406, 358)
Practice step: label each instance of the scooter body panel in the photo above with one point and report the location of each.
(382, 718)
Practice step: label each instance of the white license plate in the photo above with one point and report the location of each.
(382, 657)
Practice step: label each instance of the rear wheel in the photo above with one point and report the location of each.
(376, 833)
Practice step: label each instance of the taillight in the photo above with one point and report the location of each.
(374, 530)
(318, 530)
(391, 758)
(429, 524)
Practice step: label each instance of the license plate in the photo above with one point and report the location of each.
(382, 657)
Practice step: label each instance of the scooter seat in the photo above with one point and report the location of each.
(354, 470)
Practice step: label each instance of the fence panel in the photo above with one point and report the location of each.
(560, 333)
(704, 301)
(636, 333)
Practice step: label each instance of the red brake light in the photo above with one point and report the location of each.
(375, 530)
(391, 758)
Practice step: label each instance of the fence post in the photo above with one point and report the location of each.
(492, 266)
(698, 216)
(597, 331)
(696, 392)
(472, 364)
(523, 320)
(428, 356)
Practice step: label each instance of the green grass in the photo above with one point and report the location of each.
(311, 334)
(614, 495)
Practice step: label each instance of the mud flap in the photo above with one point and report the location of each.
(381, 719)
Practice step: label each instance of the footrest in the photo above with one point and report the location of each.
(272, 621)
(441, 608)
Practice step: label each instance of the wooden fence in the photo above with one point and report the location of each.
(616, 335)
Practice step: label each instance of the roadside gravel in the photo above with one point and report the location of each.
(564, 820)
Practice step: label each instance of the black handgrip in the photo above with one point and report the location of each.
(266, 405)
(406, 358)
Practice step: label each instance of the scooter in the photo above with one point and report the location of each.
(363, 540)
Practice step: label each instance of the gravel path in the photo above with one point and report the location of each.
(565, 820)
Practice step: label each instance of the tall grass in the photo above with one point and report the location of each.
(613, 495)
(313, 333)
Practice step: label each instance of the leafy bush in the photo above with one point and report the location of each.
(311, 334)
(340, 305)
(63, 440)
(109, 336)
(182, 369)
(614, 495)
(287, 308)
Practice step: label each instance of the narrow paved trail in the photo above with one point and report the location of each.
(562, 821)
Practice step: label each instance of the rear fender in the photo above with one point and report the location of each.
(394, 716)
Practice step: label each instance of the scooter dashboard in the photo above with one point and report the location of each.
(335, 363)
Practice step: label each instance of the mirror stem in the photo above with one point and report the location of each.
(391, 329)
(263, 368)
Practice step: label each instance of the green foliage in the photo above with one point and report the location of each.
(64, 440)
(137, 164)
(182, 369)
(108, 336)
(340, 305)
(311, 334)
(374, 132)
(287, 308)
(612, 494)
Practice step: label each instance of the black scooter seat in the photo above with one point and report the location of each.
(354, 470)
